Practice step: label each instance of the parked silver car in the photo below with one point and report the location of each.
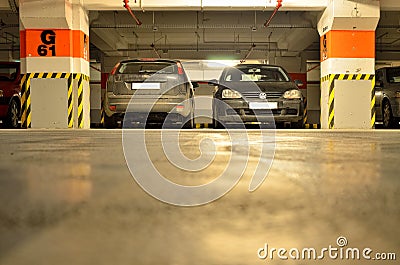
(387, 91)
(161, 92)
(257, 93)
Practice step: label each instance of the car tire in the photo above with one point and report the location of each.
(388, 120)
(217, 124)
(110, 122)
(12, 119)
(189, 124)
(297, 125)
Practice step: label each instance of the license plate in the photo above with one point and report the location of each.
(145, 85)
(263, 105)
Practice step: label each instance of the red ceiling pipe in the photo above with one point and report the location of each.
(278, 5)
(126, 5)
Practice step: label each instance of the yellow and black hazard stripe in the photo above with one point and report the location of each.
(312, 126)
(25, 102)
(373, 100)
(70, 103)
(102, 115)
(331, 103)
(80, 99)
(202, 125)
(305, 112)
(26, 99)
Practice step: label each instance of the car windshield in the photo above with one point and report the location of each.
(147, 68)
(8, 72)
(393, 75)
(256, 74)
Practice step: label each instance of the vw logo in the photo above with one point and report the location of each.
(263, 95)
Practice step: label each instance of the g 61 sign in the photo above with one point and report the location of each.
(48, 38)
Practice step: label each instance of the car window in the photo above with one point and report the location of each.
(256, 74)
(379, 76)
(393, 75)
(147, 68)
(8, 72)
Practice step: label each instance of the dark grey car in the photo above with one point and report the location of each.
(151, 90)
(387, 91)
(257, 93)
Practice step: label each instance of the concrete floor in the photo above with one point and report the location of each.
(67, 197)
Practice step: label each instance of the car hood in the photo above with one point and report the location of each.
(259, 86)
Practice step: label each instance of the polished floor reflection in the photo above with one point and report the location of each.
(67, 197)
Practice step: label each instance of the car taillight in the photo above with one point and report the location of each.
(180, 108)
(180, 69)
(112, 107)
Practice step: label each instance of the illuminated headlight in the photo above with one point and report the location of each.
(227, 93)
(1, 93)
(292, 94)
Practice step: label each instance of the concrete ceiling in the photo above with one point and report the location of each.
(195, 34)
(223, 34)
(218, 5)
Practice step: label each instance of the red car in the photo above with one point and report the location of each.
(10, 96)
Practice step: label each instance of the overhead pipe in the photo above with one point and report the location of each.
(155, 50)
(248, 53)
(14, 5)
(191, 49)
(278, 5)
(126, 5)
(194, 26)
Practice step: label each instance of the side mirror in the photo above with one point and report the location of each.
(195, 84)
(299, 83)
(213, 82)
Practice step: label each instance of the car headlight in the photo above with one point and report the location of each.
(227, 93)
(292, 94)
(1, 93)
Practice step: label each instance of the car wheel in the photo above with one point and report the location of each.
(217, 124)
(297, 125)
(387, 115)
(13, 115)
(189, 124)
(110, 122)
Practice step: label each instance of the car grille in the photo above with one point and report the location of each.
(257, 94)
(260, 112)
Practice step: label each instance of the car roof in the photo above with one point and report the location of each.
(9, 63)
(150, 60)
(389, 67)
(256, 65)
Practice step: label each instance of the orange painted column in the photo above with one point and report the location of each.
(347, 46)
(54, 43)
(54, 53)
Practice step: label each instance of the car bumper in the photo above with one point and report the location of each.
(239, 111)
(395, 105)
(119, 105)
(3, 111)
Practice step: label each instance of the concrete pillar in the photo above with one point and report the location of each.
(347, 30)
(55, 62)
